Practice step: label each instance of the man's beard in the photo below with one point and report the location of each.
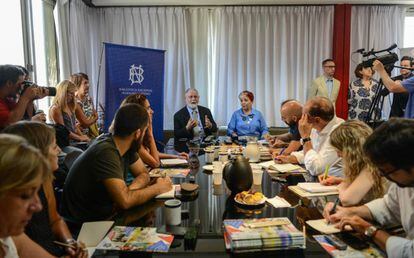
(135, 145)
(291, 124)
(192, 106)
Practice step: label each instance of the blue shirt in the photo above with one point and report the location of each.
(247, 125)
(199, 124)
(409, 86)
(329, 85)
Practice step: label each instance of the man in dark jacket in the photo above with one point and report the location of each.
(193, 121)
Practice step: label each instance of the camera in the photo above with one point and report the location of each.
(26, 84)
(387, 59)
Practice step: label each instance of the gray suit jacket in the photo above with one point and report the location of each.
(319, 88)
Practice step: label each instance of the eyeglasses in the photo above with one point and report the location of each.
(329, 66)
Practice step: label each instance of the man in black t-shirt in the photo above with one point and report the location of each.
(95, 185)
(291, 112)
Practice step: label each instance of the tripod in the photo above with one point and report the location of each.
(376, 107)
(377, 103)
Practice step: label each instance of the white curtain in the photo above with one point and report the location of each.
(376, 27)
(273, 51)
(61, 18)
(159, 28)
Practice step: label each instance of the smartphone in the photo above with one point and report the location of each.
(353, 241)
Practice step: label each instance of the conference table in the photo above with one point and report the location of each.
(206, 211)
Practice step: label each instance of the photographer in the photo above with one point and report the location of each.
(397, 86)
(11, 82)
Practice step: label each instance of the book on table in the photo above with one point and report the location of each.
(122, 238)
(246, 235)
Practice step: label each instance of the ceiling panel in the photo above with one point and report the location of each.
(103, 3)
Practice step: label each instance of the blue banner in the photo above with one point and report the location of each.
(131, 70)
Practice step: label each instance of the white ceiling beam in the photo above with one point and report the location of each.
(103, 3)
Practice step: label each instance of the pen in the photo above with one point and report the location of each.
(67, 245)
(281, 152)
(332, 211)
(326, 172)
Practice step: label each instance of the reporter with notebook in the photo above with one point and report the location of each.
(315, 127)
(390, 149)
(95, 187)
(361, 182)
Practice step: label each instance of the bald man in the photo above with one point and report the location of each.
(291, 112)
(315, 127)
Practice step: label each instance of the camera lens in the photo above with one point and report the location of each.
(52, 91)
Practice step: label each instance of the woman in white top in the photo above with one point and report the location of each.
(361, 183)
(23, 169)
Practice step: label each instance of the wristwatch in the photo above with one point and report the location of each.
(370, 231)
(303, 140)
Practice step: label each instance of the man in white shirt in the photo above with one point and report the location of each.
(390, 149)
(325, 85)
(315, 127)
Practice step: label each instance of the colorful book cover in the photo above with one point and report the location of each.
(173, 172)
(265, 233)
(369, 252)
(136, 239)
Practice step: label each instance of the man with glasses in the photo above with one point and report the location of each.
(193, 121)
(390, 149)
(325, 85)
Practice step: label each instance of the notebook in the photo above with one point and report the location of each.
(317, 187)
(92, 233)
(282, 168)
(302, 193)
(322, 226)
(173, 162)
(170, 194)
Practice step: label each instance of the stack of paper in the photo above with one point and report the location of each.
(317, 187)
(282, 168)
(262, 234)
(303, 193)
(173, 162)
(136, 239)
(278, 202)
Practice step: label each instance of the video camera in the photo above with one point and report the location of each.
(387, 60)
(26, 84)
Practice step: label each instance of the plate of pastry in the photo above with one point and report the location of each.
(250, 198)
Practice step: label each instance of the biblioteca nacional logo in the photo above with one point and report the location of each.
(136, 74)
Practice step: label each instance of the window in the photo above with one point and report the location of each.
(409, 28)
(11, 50)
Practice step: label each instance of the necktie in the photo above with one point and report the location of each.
(196, 129)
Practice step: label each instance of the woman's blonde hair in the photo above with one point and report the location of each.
(37, 134)
(62, 90)
(349, 138)
(21, 165)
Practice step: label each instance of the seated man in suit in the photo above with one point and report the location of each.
(193, 121)
(325, 85)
